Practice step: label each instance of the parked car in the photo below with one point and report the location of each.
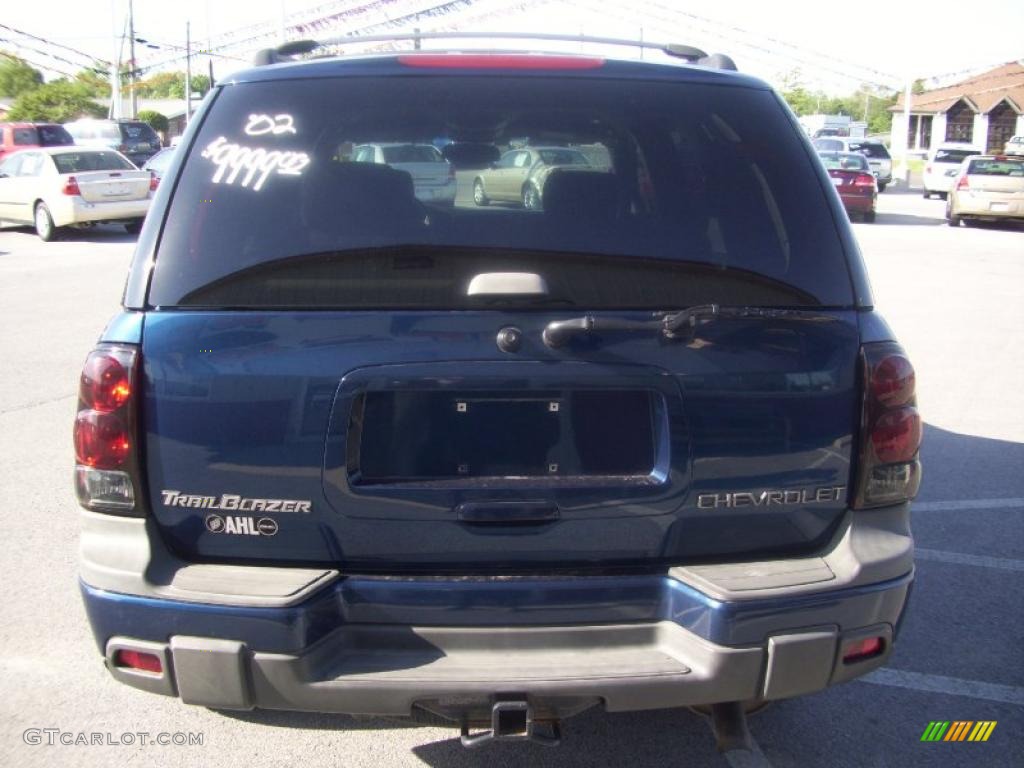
(1014, 146)
(649, 446)
(132, 138)
(159, 163)
(852, 178)
(15, 137)
(519, 176)
(942, 164)
(988, 187)
(875, 151)
(433, 177)
(55, 187)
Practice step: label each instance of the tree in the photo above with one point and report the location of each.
(56, 102)
(171, 85)
(17, 77)
(157, 121)
(96, 82)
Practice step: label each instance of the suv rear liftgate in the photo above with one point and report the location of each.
(367, 454)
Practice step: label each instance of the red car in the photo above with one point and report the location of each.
(15, 137)
(854, 181)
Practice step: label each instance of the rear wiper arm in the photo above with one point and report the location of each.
(673, 325)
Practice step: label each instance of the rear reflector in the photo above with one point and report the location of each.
(146, 662)
(499, 61)
(861, 650)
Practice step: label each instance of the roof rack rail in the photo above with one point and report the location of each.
(688, 53)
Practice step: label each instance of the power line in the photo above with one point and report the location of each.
(83, 54)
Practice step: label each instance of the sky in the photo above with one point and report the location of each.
(835, 46)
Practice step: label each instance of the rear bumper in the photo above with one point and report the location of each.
(375, 645)
(75, 210)
(989, 207)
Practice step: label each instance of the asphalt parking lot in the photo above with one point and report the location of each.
(955, 299)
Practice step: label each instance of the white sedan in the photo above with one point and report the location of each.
(54, 187)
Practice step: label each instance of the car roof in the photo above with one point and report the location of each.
(68, 148)
(395, 64)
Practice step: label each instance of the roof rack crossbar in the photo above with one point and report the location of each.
(686, 52)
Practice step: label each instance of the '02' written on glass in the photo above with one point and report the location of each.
(251, 165)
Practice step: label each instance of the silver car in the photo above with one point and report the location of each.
(987, 187)
(433, 177)
(54, 187)
(519, 176)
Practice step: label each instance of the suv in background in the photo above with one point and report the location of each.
(879, 159)
(344, 451)
(17, 136)
(132, 138)
(942, 166)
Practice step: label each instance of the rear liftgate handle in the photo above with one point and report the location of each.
(507, 512)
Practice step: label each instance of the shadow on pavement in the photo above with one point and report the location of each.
(901, 219)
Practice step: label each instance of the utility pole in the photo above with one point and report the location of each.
(188, 71)
(905, 139)
(131, 72)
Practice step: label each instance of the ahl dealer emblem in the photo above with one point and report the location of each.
(241, 526)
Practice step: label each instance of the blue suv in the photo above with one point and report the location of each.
(642, 444)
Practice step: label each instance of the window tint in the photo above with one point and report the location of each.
(953, 155)
(26, 137)
(78, 162)
(829, 145)
(561, 157)
(707, 194)
(54, 136)
(412, 153)
(874, 151)
(138, 132)
(845, 161)
(996, 168)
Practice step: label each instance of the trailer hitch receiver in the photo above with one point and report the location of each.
(512, 720)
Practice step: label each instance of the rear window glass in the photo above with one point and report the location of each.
(830, 145)
(996, 168)
(874, 151)
(54, 136)
(412, 153)
(698, 194)
(137, 131)
(80, 162)
(953, 155)
(844, 161)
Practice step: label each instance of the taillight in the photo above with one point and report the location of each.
(864, 180)
(71, 186)
(962, 183)
(107, 477)
(889, 471)
(154, 182)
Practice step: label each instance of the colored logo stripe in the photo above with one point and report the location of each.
(982, 730)
(958, 730)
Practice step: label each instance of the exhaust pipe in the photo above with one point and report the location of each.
(729, 722)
